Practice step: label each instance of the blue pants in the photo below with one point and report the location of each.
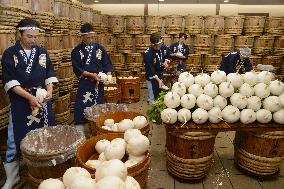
(151, 97)
(11, 146)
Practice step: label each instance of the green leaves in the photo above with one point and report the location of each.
(154, 111)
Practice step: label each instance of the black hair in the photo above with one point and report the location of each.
(87, 27)
(155, 37)
(182, 35)
(28, 22)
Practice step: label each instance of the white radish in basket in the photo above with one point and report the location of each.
(51, 184)
(83, 183)
(215, 115)
(278, 116)
(195, 89)
(238, 100)
(140, 122)
(136, 158)
(272, 103)
(263, 116)
(265, 77)
(184, 115)
(131, 183)
(179, 88)
(102, 157)
(93, 163)
(247, 116)
(202, 79)
(172, 100)
(276, 87)
(130, 163)
(131, 133)
(231, 114)
(115, 150)
(169, 116)
(108, 122)
(186, 78)
(125, 124)
(226, 89)
(254, 103)
(112, 167)
(73, 172)
(218, 77)
(101, 145)
(188, 101)
(110, 182)
(235, 79)
(205, 102)
(200, 116)
(250, 78)
(138, 146)
(211, 90)
(246, 90)
(220, 102)
(261, 90)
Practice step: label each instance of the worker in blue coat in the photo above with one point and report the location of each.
(90, 61)
(26, 69)
(155, 62)
(237, 61)
(179, 52)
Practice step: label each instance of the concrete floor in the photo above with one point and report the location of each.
(222, 175)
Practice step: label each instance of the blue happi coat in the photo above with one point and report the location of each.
(184, 49)
(35, 71)
(232, 63)
(93, 59)
(153, 63)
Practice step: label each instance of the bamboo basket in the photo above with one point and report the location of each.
(87, 151)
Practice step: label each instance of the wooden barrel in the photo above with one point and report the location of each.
(70, 39)
(134, 24)
(134, 61)
(63, 118)
(274, 26)
(53, 40)
(61, 8)
(112, 94)
(255, 60)
(130, 89)
(224, 44)
(250, 156)
(39, 6)
(202, 44)
(62, 103)
(4, 107)
(254, 25)
(275, 61)
(279, 46)
(212, 63)
(50, 159)
(65, 76)
(193, 64)
(167, 39)
(116, 24)
(193, 163)
(234, 25)
(193, 24)
(263, 45)
(87, 152)
(214, 25)
(241, 41)
(86, 14)
(173, 24)
(75, 11)
(124, 43)
(108, 41)
(117, 60)
(142, 43)
(153, 24)
(104, 23)
(97, 20)
(7, 37)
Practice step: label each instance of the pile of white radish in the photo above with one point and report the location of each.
(110, 175)
(137, 123)
(234, 97)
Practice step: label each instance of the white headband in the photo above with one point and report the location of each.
(87, 33)
(28, 28)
